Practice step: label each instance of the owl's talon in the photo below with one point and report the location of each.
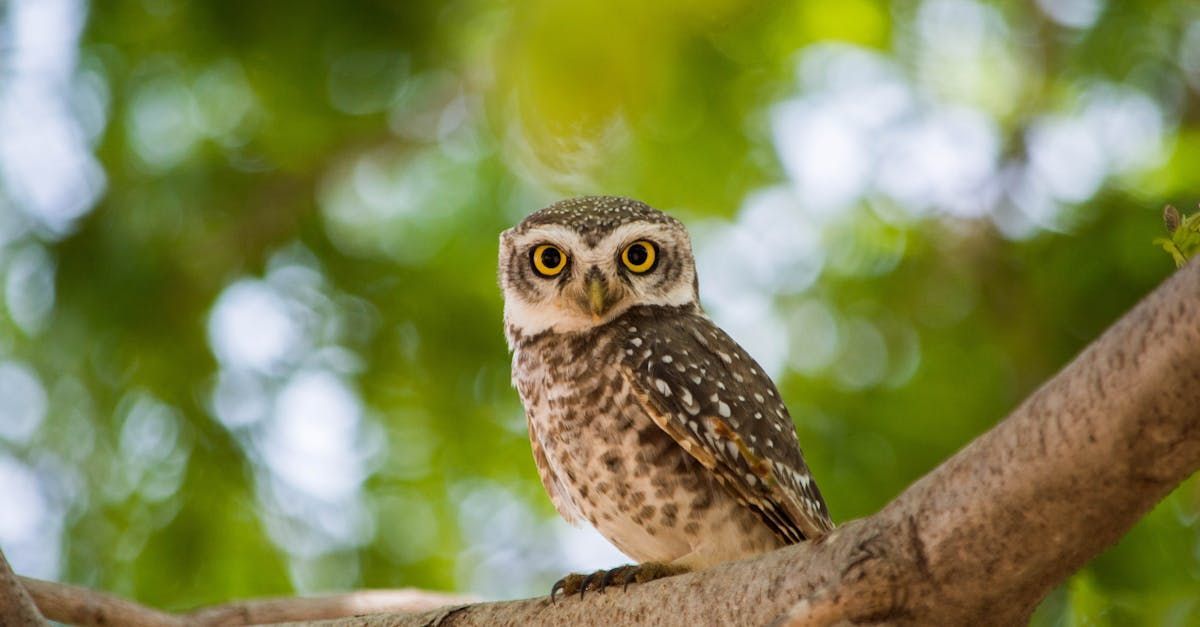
(628, 579)
(587, 581)
(610, 574)
(576, 582)
(602, 579)
(567, 585)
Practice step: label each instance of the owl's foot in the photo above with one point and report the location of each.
(622, 575)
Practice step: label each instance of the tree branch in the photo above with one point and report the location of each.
(16, 608)
(980, 539)
(282, 610)
(81, 606)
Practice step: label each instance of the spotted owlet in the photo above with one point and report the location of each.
(645, 418)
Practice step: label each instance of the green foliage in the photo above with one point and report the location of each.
(1087, 603)
(1184, 231)
(267, 357)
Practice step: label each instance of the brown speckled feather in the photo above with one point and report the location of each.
(705, 391)
(559, 495)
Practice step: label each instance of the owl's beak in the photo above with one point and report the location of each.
(598, 297)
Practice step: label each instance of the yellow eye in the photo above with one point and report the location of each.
(639, 256)
(548, 260)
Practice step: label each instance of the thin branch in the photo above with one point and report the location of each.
(262, 611)
(16, 608)
(75, 605)
(81, 606)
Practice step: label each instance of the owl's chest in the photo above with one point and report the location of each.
(604, 458)
(578, 404)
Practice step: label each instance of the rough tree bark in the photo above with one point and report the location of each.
(16, 608)
(983, 537)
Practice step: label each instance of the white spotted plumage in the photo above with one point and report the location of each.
(645, 418)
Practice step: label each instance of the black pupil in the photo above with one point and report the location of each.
(551, 258)
(638, 254)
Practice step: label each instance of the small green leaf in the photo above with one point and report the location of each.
(1184, 241)
(1172, 249)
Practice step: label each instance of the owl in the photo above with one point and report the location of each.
(645, 418)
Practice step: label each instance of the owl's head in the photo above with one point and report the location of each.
(581, 263)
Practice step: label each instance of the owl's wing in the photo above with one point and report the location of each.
(703, 389)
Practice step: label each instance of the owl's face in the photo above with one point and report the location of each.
(581, 263)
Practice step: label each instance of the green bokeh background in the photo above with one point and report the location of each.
(350, 165)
